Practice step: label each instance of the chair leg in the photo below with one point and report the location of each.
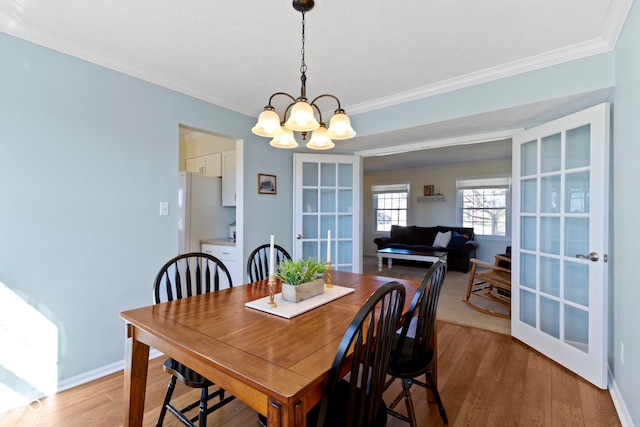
(202, 417)
(436, 395)
(167, 399)
(406, 393)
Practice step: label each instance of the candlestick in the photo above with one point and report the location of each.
(328, 246)
(271, 259)
(327, 280)
(272, 282)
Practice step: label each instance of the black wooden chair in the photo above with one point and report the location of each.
(413, 353)
(184, 276)
(258, 263)
(355, 399)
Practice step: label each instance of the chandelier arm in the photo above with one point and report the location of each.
(319, 112)
(281, 93)
(325, 95)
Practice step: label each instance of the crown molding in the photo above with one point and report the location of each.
(52, 41)
(615, 21)
(605, 43)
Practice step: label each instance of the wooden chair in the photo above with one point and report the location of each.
(413, 353)
(491, 282)
(181, 277)
(258, 262)
(355, 399)
(363, 355)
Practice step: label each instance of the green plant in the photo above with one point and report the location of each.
(300, 271)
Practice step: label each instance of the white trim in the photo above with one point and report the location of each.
(94, 374)
(438, 143)
(547, 59)
(83, 378)
(618, 402)
(606, 42)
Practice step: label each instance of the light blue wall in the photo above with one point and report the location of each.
(625, 289)
(86, 155)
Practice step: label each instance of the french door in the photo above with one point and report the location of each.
(327, 198)
(560, 242)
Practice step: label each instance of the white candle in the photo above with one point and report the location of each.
(328, 245)
(271, 259)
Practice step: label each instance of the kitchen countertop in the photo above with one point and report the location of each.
(222, 242)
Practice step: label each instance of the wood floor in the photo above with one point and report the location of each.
(484, 379)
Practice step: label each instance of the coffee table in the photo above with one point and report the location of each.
(408, 254)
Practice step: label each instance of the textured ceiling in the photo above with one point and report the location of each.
(369, 53)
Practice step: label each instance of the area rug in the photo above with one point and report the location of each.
(450, 306)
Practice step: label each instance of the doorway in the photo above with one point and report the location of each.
(215, 162)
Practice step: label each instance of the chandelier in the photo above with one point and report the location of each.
(300, 114)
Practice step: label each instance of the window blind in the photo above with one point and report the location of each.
(491, 182)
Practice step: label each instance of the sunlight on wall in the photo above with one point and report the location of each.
(28, 353)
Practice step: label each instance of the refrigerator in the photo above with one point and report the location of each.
(200, 212)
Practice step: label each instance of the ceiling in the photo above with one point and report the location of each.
(369, 53)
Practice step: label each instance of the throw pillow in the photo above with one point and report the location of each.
(458, 240)
(442, 239)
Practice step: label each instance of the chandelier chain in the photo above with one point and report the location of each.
(303, 65)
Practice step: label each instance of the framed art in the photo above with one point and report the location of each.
(266, 184)
(428, 190)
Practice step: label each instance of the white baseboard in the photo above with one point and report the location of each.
(98, 373)
(618, 402)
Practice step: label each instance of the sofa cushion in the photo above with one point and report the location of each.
(458, 240)
(401, 234)
(442, 240)
(424, 235)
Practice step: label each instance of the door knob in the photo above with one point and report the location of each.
(593, 256)
(299, 236)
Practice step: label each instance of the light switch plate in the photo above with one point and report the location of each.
(164, 208)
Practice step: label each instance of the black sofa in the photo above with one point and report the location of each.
(460, 249)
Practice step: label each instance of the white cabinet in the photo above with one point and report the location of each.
(228, 256)
(229, 178)
(209, 165)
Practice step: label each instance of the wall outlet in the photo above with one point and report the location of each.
(621, 353)
(164, 208)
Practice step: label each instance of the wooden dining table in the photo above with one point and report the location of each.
(275, 365)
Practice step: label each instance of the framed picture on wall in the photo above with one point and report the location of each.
(266, 184)
(428, 190)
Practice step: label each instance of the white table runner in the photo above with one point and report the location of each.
(288, 309)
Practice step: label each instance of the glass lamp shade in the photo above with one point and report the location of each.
(268, 124)
(301, 118)
(340, 127)
(319, 140)
(284, 140)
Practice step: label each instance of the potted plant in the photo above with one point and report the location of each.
(301, 279)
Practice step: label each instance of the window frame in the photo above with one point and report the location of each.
(378, 189)
(485, 183)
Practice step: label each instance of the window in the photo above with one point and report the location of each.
(484, 205)
(390, 205)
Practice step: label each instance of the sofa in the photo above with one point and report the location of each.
(460, 248)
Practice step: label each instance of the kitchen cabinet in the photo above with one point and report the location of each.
(229, 178)
(209, 165)
(227, 253)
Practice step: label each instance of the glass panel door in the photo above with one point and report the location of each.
(326, 199)
(559, 278)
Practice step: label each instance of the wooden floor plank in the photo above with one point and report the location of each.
(484, 379)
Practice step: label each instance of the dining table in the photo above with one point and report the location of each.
(275, 365)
